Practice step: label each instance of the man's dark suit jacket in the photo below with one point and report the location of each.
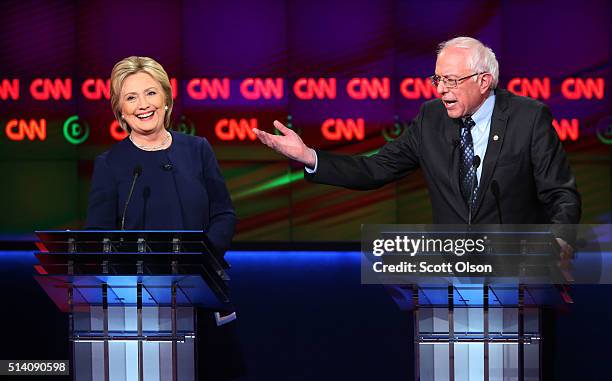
(526, 178)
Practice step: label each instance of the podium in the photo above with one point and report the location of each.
(480, 325)
(131, 299)
(477, 332)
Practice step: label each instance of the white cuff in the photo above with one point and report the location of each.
(313, 170)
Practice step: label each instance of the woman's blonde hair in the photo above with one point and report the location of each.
(132, 65)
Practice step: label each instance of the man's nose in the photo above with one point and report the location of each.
(441, 89)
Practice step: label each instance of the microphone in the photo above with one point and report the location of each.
(454, 143)
(475, 165)
(137, 172)
(476, 162)
(167, 167)
(495, 191)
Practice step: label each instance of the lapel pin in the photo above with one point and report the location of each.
(495, 137)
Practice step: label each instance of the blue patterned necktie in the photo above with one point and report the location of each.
(467, 172)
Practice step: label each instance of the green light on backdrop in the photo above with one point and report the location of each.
(274, 183)
(604, 130)
(280, 181)
(76, 131)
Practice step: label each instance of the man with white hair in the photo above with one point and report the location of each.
(488, 156)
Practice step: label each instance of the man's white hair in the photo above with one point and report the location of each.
(482, 58)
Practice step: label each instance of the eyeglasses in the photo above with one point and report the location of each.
(449, 83)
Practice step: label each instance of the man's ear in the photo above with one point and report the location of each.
(485, 82)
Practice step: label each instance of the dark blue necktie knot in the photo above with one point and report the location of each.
(468, 122)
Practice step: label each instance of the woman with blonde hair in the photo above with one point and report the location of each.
(172, 181)
(179, 184)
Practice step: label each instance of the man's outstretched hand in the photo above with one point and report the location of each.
(288, 144)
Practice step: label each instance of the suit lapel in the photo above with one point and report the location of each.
(452, 130)
(499, 120)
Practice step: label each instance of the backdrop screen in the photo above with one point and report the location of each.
(346, 75)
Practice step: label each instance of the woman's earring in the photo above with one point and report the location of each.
(166, 108)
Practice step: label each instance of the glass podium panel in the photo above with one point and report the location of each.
(434, 363)
(477, 333)
(469, 363)
(110, 341)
